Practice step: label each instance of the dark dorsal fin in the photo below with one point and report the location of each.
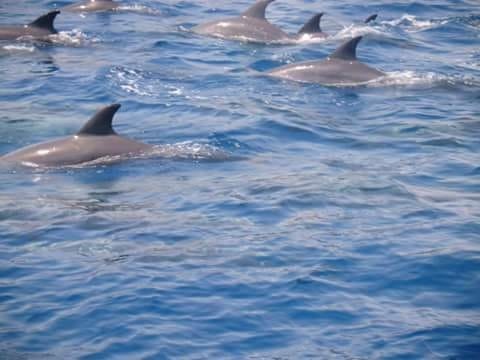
(46, 21)
(370, 18)
(101, 122)
(257, 10)
(312, 26)
(347, 51)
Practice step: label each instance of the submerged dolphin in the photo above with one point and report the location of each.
(95, 139)
(92, 5)
(39, 29)
(341, 67)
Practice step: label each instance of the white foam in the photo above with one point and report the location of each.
(139, 8)
(74, 37)
(412, 78)
(309, 38)
(355, 30)
(413, 24)
(19, 48)
(131, 81)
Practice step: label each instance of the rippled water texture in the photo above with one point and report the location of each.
(339, 222)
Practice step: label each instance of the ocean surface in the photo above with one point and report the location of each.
(296, 221)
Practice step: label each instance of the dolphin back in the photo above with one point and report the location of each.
(312, 26)
(101, 122)
(347, 51)
(45, 22)
(257, 10)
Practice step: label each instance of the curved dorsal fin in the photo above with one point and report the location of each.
(370, 18)
(312, 26)
(347, 51)
(46, 21)
(101, 122)
(257, 10)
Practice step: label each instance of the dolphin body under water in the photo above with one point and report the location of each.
(339, 68)
(96, 139)
(92, 6)
(39, 29)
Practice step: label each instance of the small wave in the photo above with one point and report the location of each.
(409, 78)
(412, 24)
(138, 8)
(19, 48)
(131, 80)
(74, 37)
(189, 150)
(355, 30)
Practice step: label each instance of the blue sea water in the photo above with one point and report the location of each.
(338, 222)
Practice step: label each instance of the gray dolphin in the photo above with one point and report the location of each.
(95, 139)
(312, 28)
(39, 29)
(341, 67)
(92, 5)
(371, 18)
(251, 25)
(314, 31)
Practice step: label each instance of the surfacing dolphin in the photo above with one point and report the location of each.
(92, 6)
(96, 139)
(339, 68)
(251, 26)
(39, 29)
(312, 29)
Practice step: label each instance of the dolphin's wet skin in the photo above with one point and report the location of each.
(251, 199)
(96, 139)
(39, 29)
(340, 68)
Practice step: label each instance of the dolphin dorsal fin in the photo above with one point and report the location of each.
(257, 10)
(347, 51)
(46, 21)
(312, 26)
(101, 122)
(372, 17)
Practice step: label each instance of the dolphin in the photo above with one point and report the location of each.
(39, 29)
(312, 28)
(251, 25)
(92, 5)
(371, 18)
(341, 67)
(96, 139)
